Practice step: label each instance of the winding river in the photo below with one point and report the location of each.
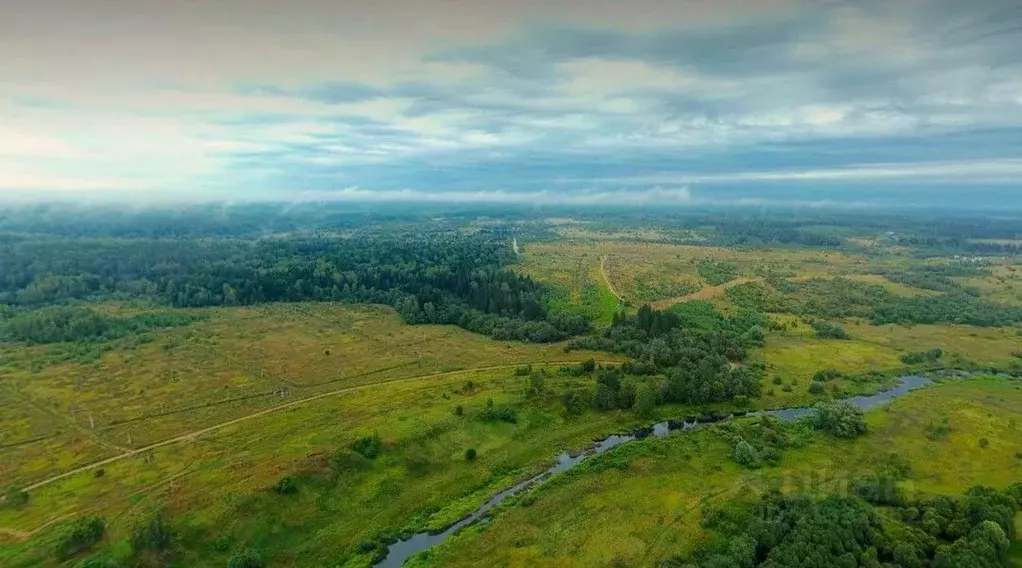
(402, 550)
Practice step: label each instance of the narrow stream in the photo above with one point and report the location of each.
(402, 550)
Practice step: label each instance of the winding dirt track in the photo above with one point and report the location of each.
(193, 435)
(603, 271)
(703, 294)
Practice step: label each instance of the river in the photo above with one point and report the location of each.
(402, 550)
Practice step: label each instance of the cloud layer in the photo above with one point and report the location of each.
(438, 99)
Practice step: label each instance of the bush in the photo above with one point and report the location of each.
(83, 533)
(839, 419)
(246, 558)
(817, 388)
(459, 410)
(537, 383)
(286, 486)
(787, 388)
(778, 380)
(524, 370)
(918, 357)
(827, 330)
(502, 414)
(983, 442)
(827, 375)
(743, 453)
(575, 402)
(151, 535)
(470, 454)
(368, 446)
(588, 366)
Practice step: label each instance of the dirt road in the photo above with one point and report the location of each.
(292, 404)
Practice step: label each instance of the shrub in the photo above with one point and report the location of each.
(286, 486)
(83, 533)
(778, 380)
(523, 370)
(938, 432)
(828, 330)
(743, 453)
(246, 558)
(501, 414)
(787, 388)
(816, 388)
(537, 383)
(153, 534)
(827, 375)
(575, 402)
(604, 398)
(459, 410)
(917, 357)
(368, 446)
(983, 442)
(470, 454)
(588, 366)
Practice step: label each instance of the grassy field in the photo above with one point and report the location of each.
(652, 272)
(577, 278)
(642, 502)
(235, 362)
(208, 397)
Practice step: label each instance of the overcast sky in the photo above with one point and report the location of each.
(537, 100)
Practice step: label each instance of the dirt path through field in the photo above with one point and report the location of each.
(603, 271)
(703, 294)
(222, 425)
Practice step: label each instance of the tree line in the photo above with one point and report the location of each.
(442, 278)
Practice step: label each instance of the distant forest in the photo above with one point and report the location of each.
(431, 267)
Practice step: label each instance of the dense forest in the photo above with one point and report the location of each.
(434, 278)
(875, 527)
(693, 348)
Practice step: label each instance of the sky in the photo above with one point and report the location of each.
(543, 101)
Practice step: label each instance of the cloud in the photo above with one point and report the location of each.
(249, 97)
(1007, 171)
(658, 195)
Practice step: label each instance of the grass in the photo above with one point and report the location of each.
(226, 366)
(642, 502)
(980, 344)
(649, 272)
(577, 279)
(215, 485)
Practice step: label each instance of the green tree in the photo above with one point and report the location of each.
(81, 535)
(840, 419)
(152, 534)
(645, 400)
